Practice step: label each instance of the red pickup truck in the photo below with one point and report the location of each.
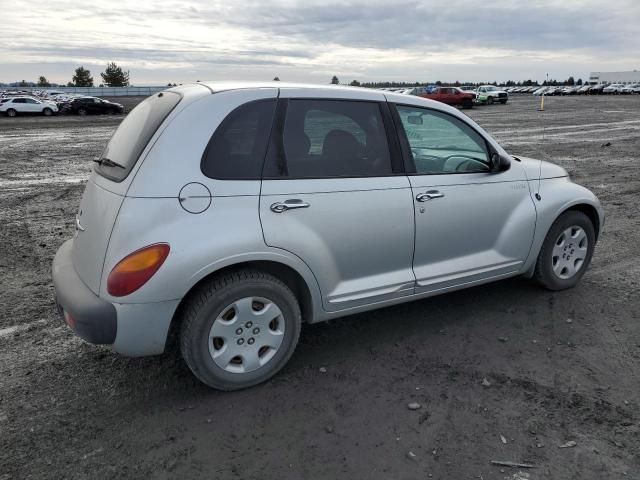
(451, 96)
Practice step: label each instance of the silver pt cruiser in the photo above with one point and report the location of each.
(232, 213)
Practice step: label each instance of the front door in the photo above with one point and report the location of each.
(471, 224)
(332, 196)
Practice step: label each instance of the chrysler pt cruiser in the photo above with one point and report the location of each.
(229, 214)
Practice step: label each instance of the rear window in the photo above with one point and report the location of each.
(133, 134)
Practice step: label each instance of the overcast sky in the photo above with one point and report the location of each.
(164, 41)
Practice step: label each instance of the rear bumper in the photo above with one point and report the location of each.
(132, 329)
(91, 318)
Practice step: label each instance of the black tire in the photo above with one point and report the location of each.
(467, 103)
(209, 301)
(544, 273)
(490, 100)
(82, 111)
(11, 113)
(503, 102)
(47, 112)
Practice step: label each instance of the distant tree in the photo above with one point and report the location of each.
(579, 82)
(22, 83)
(70, 84)
(456, 84)
(114, 76)
(571, 81)
(334, 80)
(438, 83)
(355, 83)
(42, 82)
(82, 78)
(276, 79)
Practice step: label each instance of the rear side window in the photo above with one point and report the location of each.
(330, 138)
(133, 134)
(237, 148)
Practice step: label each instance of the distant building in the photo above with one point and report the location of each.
(615, 77)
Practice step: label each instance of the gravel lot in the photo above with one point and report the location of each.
(559, 367)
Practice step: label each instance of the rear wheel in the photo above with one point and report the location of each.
(11, 112)
(47, 112)
(566, 251)
(239, 329)
(82, 111)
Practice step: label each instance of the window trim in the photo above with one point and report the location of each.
(259, 177)
(410, 166)
(275, 151)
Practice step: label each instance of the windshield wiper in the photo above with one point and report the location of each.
(107, 162)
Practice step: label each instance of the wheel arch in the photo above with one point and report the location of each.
(295, 280)
(583, 201)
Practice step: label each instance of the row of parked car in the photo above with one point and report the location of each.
(15, 103)
(612, 89)
(465, 96)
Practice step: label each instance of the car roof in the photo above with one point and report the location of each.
(323, 90)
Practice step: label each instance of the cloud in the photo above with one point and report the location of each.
(409, 40)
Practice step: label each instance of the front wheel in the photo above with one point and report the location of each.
(82, 112)
(490, 100)
(11, 112)
(503, 102)
(239, 329)
(47, 112)
(566, 251)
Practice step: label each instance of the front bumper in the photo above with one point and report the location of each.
(89, 316)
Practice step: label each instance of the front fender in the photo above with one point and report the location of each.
(557, 195)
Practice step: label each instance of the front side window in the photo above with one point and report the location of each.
(334, 138)
(440, 143)
(237, 148)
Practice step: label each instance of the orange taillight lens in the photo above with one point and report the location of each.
(134, 270)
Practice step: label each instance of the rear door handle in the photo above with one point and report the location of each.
(280, 207)
(430, 195)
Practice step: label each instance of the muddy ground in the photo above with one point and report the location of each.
(560, 366)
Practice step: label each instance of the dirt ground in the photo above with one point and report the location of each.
(559, 367)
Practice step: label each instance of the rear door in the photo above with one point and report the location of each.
(471, 224)
(335, 195)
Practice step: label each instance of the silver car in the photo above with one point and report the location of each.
(227, 215)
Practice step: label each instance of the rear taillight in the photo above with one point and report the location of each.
(134, 270)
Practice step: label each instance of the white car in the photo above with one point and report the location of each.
(540, 91)
(15, 105)
(617, 88)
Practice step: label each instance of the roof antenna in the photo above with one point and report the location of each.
(544, 124)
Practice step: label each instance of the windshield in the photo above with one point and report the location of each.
(133, 134)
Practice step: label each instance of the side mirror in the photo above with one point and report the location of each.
(499, 163)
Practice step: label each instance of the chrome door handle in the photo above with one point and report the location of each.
(430, 195)
(280, 207)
